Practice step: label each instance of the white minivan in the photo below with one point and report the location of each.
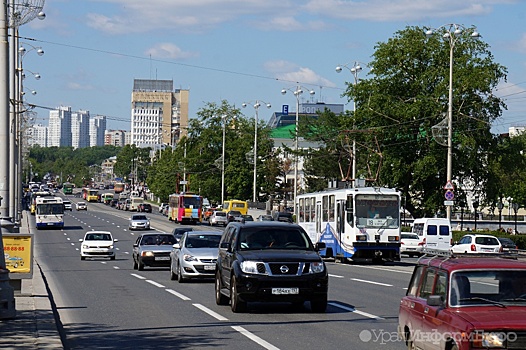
(435, 233)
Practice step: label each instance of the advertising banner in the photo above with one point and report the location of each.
(17, 252)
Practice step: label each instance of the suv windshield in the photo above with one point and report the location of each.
(274, 238)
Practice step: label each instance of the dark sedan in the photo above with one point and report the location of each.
(152, 249)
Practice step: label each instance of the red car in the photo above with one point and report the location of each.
(459, 302)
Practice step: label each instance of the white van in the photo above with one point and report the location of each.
(434, 232)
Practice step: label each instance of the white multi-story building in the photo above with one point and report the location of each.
(80, 125)
(59, 130)
(97, 130)
(37, 135)
(159, 114)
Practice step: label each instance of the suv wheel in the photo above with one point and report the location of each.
(220, 298)
(319, 305)
(140, 265)
(135, 265)
(236, 304)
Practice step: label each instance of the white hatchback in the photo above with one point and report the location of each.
(97, 244)
(475, 243)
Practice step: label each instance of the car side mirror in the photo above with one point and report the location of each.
(320, 246)
(176, 246)
(115, 240)
(81, 240)
(135, 245)
(225, 245)
(434, 300)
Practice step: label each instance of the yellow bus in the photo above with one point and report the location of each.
(235, 204)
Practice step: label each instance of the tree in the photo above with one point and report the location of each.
(397, 107)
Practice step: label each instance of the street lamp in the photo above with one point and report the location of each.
(256, 107)
(451, 33)
(515, 209)
(223, 119)
(476, 206)
(500, 206)
(297, 92)
(355, 70)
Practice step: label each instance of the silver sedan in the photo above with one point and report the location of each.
(195, 255)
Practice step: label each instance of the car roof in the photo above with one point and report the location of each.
(198, 233)
(474, 262)
(97, 232)
(265, 224)
(155, 234)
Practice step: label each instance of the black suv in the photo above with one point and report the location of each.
(269, 261)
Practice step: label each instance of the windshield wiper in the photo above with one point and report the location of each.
(496, 303)
(514, 299)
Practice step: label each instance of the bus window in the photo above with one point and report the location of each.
(325, 208)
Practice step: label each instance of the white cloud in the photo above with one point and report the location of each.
(168, 50)
(290, 72)
(135, 16)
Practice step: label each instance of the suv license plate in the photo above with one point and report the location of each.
(282, 291)
(162, 258)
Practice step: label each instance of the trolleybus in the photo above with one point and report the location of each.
(34, 196)
(49, 212)
(355, 223)
(185, 207)
(67, 188)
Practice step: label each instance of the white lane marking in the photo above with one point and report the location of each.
(383, 269)
(138, 276)
(371, 282)
(336, 276)
(76, 248)
(116, 267)
(155, 283)
(255, 338)
(72, 243)
(65, 234)
(103, 262)
(210, 312)
(177, 294)
(126, 252)
(69, 239)
(357, 311)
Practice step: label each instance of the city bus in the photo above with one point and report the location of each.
(34, 196)
(118, 187)
(185, 207)
(92, 195)
(49, 212)
(67, 188)
(235, 204)
(106, 198)
(360, 223)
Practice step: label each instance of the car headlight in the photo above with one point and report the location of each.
(317, 267)
(147, 253)
(488, 340)
(188, 257)
(85, 246)
(249, 267)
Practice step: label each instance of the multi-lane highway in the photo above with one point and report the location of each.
(107, 304)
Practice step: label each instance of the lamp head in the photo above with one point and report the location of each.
(243, 105)
(40, 51)
(283, 91)
(268, 105)
(41, 15)
(338, 69)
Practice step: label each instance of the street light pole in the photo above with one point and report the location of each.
(355, 70)
(256, 107)
(223, 118)
(297, 92)
(452, 33)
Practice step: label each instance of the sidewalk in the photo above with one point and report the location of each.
(34, 326)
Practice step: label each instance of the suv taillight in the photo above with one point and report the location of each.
(473, 248)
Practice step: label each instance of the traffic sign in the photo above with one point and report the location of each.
(449, 195)
(449, 203)
(449, 186)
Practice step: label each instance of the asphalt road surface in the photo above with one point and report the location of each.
(105, 304)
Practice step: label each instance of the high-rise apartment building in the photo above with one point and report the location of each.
(97, 130)
(59, 130)
(159, 114)
(37, 135)
(114, 138)
(80, 128)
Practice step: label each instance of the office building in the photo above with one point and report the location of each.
(159, 114)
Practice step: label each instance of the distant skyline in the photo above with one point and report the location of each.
(242, 50)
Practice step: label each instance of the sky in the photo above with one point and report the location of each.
(242, 51)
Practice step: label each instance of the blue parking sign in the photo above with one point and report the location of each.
(285, 110)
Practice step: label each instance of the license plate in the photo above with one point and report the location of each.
(162, 258)
(209, 267)
(284, 291)
(488, 250)
(410, 248)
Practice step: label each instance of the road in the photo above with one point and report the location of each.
(105, 304)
